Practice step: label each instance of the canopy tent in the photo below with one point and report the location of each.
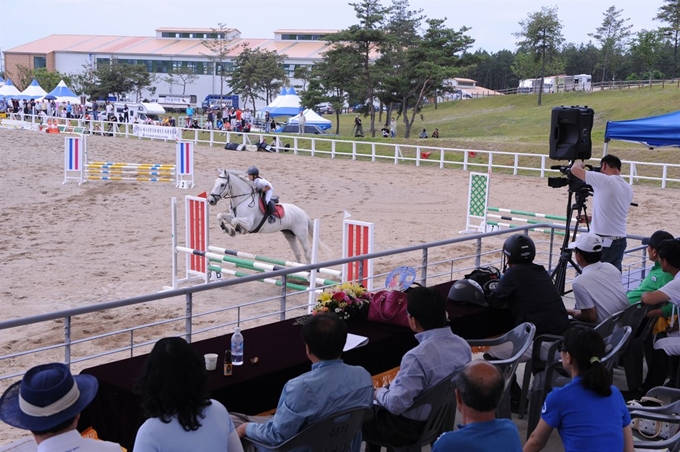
(62, 93)
(285, 105)
(277, 101)
(33, 91)
(312, 119)
(663, 130)
(9, 91)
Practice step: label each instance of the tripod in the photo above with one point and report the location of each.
(559, 274)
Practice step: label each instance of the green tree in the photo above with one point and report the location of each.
(541, 37)
(437, 57)
(646, 48)
(257, 74)
(581, 59)
(363, 39)
(118, 80)
(303, 72)
(218, 51)
(613, 36)
(183, 76)
(49, 80)
(332, 79)
(669, 13)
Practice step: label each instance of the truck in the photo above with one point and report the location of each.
(215, 100)
(177, 102)
(140, 110)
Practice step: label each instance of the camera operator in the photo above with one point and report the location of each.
(612, 196)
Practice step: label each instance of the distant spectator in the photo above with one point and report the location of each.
(358, 128)
(48, 402)
(423, 134)
(435, 134)
(479, 389)
(175, 398)
(393, 128)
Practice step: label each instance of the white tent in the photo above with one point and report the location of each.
(62, 93)
(312, 118)
(279, 98)
(9, 91)
(288, 105)
(33, 91)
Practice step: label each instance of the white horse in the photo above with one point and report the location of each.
(245, 215)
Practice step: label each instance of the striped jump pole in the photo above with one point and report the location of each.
(357, 240)
(528, 214)
(276, 282)
(251, 265)
(283, 263)
(508, 225)
(77, 167)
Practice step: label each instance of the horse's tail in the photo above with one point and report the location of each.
(310, 231)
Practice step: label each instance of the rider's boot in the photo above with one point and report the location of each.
(270, 211)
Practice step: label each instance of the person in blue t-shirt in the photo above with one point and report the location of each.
(589, 413)
(479, 388)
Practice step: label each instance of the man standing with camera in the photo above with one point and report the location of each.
(612, 196)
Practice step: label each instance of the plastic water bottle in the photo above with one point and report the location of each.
(237, 347)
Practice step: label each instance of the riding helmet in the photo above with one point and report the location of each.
(467, 291)
(519, 249)
(253, 171)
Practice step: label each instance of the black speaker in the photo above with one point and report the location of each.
(570, 133)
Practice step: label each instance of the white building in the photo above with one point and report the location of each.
(171, 48)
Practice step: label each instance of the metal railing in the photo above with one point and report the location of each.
(430, 268)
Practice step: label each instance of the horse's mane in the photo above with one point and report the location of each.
(240, 173)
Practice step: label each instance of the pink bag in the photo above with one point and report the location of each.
(388, 306)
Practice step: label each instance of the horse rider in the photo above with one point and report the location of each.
(263, 186)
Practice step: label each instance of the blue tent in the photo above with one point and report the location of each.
(661, 130)
(62, 93)
(287, 104)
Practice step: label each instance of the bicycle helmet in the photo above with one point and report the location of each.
(467, 291)
(253, 171)
(519, 249)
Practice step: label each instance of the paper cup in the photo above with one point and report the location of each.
(210, 361)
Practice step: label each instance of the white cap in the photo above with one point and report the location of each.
(588, 243)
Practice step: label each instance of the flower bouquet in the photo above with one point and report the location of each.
(345, 300)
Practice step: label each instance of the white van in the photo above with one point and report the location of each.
(141, 111)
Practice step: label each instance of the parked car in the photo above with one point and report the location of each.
(324, 108)
(294, 128)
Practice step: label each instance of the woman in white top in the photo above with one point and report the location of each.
(265, 187)
(181, 415)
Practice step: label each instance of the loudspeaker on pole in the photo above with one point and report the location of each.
(570, 129)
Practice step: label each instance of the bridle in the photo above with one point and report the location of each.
(226, 194)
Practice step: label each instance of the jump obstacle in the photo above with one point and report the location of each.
(77, 167)
(479, 211)
(203, 259)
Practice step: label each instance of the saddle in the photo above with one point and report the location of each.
(278, 208)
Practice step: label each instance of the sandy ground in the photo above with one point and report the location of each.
(68, 245)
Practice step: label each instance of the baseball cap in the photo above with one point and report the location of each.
(588, 243)
(655, 240)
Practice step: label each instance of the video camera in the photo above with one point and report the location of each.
(575, 184)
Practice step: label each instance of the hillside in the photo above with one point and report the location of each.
(514, 123)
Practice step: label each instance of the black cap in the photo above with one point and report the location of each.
(655, 240)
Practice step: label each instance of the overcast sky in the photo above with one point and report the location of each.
(492, 22)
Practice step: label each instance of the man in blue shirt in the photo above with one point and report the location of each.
(439, 354)
(330, 387)
(479, 389)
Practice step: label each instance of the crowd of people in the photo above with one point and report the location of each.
(589, 412)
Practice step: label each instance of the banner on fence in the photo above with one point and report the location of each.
(162, 132)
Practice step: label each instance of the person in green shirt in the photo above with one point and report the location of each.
(657, 360)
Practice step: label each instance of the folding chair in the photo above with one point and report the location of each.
(441, 399)
(332, 433)
(521, 338)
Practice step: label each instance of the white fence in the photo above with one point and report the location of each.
(466, 159)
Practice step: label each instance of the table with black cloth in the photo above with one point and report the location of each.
(253, 388)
